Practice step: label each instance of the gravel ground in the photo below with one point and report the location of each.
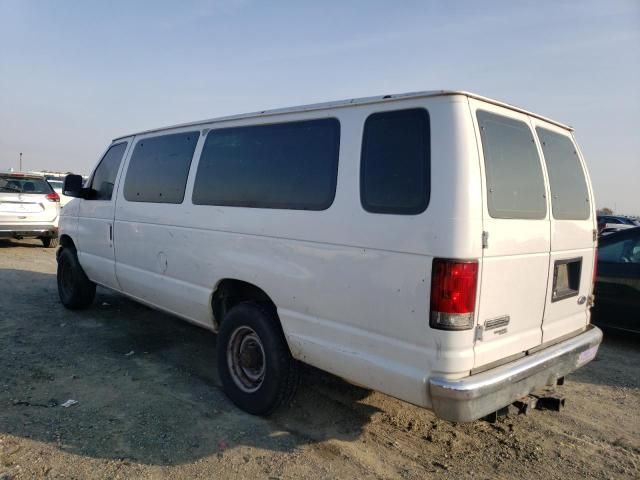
(150, 406)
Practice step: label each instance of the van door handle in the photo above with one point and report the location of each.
(110, 232)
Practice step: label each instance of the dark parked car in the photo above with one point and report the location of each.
(617, 292)
(612, 223)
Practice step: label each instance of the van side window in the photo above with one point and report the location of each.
(569, 194)
(290, 165)
(515, 185)
(159, 168)
(105, 174)
(395, 163)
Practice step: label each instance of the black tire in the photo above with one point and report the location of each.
(280, 373)
(75, 289)
(49, 242)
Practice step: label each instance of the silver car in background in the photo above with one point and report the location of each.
(29, 208)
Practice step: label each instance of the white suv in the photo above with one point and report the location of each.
(29, 207)
(436, 246)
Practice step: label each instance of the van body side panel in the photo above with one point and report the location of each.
(326, 295)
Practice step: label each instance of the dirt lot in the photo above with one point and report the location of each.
(150, 406)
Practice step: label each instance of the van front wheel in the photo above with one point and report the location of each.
(257, 370)
(75, 289)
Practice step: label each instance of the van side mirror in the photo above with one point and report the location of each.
(72, 186)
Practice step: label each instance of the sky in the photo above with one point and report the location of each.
(76, 73)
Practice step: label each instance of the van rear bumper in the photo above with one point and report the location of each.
(470, 398)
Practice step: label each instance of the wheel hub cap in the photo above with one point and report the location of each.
(246, 359)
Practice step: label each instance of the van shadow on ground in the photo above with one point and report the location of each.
(15, 243)
(146, 383)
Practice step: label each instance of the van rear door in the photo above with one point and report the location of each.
(516, 236)
(573, 233)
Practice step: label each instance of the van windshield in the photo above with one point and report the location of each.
(19, 184)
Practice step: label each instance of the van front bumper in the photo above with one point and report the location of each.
(470, 398)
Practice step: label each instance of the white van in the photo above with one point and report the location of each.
(436, 246)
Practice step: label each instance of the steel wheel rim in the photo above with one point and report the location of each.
(246, 359)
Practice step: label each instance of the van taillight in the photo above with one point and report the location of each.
(453, 294)
(53, 197)
(595, 266)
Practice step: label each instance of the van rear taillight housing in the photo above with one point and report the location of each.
(453, 294)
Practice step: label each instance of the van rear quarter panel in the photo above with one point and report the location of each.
(351, 287)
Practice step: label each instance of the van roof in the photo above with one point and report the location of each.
(347, 103)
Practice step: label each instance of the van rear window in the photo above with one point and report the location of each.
(395, 162)
(290, 165)
(569, 194)
(515, 185)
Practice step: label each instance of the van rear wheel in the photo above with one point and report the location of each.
(75, 289)
(257, 370)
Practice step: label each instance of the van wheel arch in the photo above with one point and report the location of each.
(67, 242)
(230, 292)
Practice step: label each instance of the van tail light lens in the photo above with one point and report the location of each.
(53, 197)
(595, 266)
(453, 294)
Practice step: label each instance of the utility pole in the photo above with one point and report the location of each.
(20, 162)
